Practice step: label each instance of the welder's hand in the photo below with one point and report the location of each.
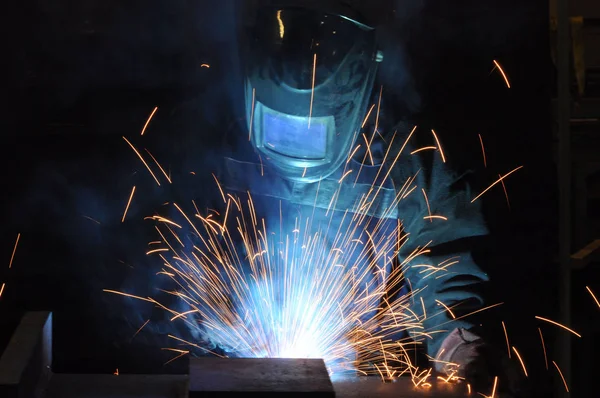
(468, 356)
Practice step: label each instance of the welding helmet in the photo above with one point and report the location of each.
(309, 73)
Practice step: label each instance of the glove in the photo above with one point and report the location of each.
(466, 355)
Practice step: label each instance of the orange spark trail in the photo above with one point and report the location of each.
(149, 119)
(128, 203)
(204, 65)
(427, 201)
(594, 297)
(559, 325)
(497, 181)
(505, 191)
(439, 146)
(543, 347)
(181, 353)
(159, 166)
(425, 148)
(12, 257)
(521, 360)
(435, 217)
(561, 376)
(447, 309)
(142, 159)
(482, 151)
(2, 289)
(506, 335)
(129, 295)
(502, 72)
(312, 93)
(494, 388)
(362, 126)
(140, 329)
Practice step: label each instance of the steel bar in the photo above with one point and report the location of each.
(259, 377)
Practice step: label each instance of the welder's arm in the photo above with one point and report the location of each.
(445, 279)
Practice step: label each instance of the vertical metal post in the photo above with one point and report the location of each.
(564, 183)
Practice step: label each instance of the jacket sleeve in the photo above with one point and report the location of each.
(444, 274)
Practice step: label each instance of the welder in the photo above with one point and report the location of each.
(309, 71)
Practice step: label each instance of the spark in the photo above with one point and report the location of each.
(205, 66)
(425, 148)
(255, 288)
(128, 203)
(116, 373)
(352, 154)
(502, 72)
(439, 147)
(181, 354)
(559, 325)
(12, 257)
(593, 296)
(2, 289)
(312, 92)
(143, 161)
(159, 166)
(505, 191)
(561, 376)
(157, 251)
(497, 181)
(140, 329)
(468, 389)
(482, 150)
(543, 347)
(128, 295)
(494, 388)
(277, 299)
(344, 176)
(447, 308)
(431, 218)
(506, 336)
(91, 219)
(281, 25)
(362, 126)
(427, 202)
(378, 112)
(521, 361)
(149, 119)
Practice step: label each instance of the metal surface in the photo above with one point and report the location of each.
(564, 174)
(25, 363)
(259, 376)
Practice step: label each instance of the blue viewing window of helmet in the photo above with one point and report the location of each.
(291, 135)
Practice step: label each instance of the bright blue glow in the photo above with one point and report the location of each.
(292, 136)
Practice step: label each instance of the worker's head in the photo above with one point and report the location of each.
(309, 70)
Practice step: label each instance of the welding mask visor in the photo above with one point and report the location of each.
(308, 80)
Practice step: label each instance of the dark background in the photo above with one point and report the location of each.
(81, 74)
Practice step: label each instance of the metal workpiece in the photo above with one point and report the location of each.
(258, 377)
